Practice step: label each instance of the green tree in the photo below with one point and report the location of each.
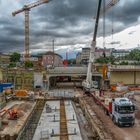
(109, 59)
(12, 64)
(134, 55)
(72, 61)
(124, 63)
(15, 57)
(28, 64)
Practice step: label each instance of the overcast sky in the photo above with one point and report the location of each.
(70, 23)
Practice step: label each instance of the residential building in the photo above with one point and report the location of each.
(78, 58)
(99, 52)
(50, 59)
(83, 57)
(4, 59)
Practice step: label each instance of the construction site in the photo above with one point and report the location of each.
(66, 114)
(69, 103)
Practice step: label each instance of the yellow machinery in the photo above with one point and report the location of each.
(21, 93)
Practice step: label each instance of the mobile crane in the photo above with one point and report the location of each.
(26, 9)
(120, 109)
(88, 84)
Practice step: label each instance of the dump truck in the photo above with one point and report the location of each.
(120, 109)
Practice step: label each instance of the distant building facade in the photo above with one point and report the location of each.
(120, 53)
(50, 59)
(83, 57)
(78, 58)
(99, 52)
(4, 59)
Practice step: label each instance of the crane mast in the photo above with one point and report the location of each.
(26, 9)
(88, 83)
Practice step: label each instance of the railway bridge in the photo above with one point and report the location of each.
(81, 72)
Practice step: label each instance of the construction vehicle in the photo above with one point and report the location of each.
(88, 84)
(23, 94)
(13, 114)
(120, 109)
(26, 9)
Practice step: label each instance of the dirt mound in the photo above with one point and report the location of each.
(24, 107)
(21, 113)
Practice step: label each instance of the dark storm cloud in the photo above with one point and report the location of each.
(65, 20)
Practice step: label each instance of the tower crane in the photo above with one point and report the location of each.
(88, 84)
(26, 9)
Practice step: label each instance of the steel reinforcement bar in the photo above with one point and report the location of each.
(29, 128)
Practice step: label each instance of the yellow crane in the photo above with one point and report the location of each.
(26, 9)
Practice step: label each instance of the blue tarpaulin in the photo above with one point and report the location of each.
(5, 85)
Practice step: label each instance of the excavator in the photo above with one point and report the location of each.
(13, 114)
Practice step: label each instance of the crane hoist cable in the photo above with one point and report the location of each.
(104, 29)
(112, 30)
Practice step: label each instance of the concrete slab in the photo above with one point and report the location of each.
(17, 124)
(72, 123)
(62, 93)
(46, 124)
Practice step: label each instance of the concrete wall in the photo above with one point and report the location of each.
(19, 78)
(1, 75)
(38, 79)
(127, 77)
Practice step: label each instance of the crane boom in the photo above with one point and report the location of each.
(29, 6)
(88, 84)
